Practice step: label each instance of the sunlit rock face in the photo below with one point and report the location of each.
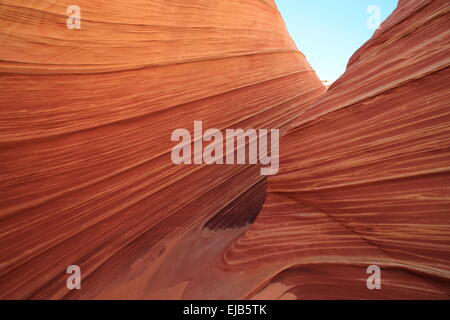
(86, 120)
(327, 83)
(364, 177)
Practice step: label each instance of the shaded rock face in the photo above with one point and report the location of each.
(85, 137)
(87, 177)
(364, 176)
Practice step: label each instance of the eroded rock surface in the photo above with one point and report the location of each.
(365, 175)
(87, 179)
(86, 121)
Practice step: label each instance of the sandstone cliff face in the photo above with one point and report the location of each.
(365, 175)
(86, 118)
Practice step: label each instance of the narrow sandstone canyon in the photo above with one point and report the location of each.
(87, 177)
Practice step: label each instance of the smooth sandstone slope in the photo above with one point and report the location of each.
(85, 123)
(364, 181)
(365, 176)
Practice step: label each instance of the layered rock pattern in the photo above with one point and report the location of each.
(87, 178)
(365, 176)
(86, 120)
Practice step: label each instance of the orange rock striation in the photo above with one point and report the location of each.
(87, 179)
(365, 175)
(86, 120)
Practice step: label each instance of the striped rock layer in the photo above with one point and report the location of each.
(85, 124)
(87, 177)
(365, 176)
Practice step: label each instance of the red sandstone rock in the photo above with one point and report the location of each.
(87, 177)
(86, 119)
(365, 176)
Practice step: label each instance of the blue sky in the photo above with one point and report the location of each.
(328, 32)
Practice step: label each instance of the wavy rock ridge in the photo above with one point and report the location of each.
(365, 175)
(87, 179)
(86, 121)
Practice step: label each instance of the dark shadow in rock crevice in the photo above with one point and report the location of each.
(242, 211)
